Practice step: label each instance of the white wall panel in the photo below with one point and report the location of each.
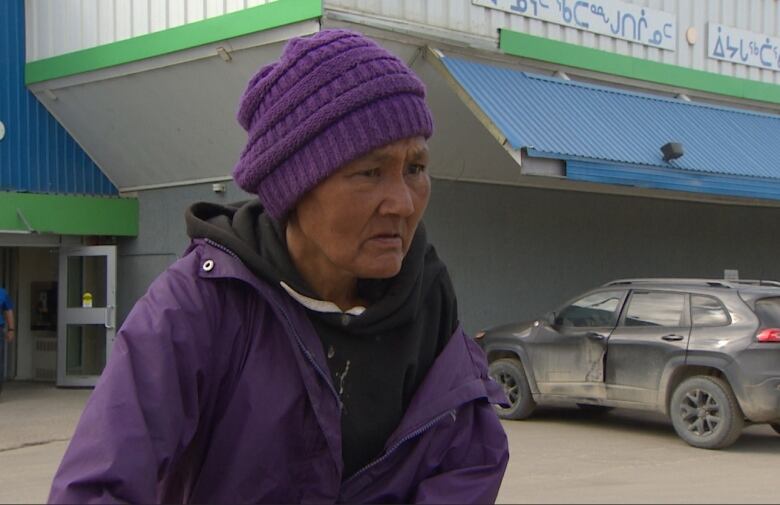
(158, 15)
(56, 27)
(89, 23)
(123, 19)
(60, 26)
(177, 12)
(140, 18)
(68, 12)
(196, 10)
(234, 5)
(106, 28)
(761, 16)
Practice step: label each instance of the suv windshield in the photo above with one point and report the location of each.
(593, 310)
(768, 311)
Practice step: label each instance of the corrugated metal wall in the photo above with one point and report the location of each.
(37, 154)
(56, 27)
(761, 16)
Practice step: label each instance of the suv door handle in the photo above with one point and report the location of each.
(672, 338)
(595, 336)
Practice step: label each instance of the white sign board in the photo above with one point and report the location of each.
(606, 17)
(740, 46)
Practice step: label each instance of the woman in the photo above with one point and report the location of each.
(306, 348)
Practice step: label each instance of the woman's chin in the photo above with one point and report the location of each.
(382, 268)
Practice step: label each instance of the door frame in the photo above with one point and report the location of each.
(83, 315)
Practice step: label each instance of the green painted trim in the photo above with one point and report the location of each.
(571, 55)
(68, 214)
(228, 26)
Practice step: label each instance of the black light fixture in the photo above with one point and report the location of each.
(672, 150)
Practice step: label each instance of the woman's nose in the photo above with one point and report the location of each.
(397, 198)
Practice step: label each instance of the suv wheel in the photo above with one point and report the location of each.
(510, 375)
(705, 412)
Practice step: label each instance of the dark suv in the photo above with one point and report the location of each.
(704, 352)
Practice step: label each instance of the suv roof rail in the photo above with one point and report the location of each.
(715, 283)
(757, 282)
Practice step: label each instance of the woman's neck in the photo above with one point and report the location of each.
(328, 281)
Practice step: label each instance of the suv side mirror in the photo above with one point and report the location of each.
(550, 318)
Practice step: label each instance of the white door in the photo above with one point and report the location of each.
(86, 324)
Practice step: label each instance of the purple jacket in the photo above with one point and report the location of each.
(217, 391)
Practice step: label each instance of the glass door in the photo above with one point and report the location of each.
(86, 325)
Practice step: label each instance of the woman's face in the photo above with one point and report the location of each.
(361, 219)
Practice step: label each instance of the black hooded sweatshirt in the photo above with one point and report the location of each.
(377, 359)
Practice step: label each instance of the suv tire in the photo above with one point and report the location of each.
(705, 412)
(509, 374)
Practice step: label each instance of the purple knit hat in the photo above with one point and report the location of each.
(330, 99)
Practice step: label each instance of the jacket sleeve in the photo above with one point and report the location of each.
(145, 407)
(474, 464)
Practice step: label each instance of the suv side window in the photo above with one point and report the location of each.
(650, 308)
(768, 311)
(708, 311)
(592, 311)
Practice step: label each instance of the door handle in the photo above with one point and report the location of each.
(672, 338)
(109, 322)
(595, 336)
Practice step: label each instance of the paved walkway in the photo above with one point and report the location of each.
(36, 421)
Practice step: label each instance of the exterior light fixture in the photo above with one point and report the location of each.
(672, 151)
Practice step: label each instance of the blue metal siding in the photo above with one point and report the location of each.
(37, 155)
(570, 120)
(673, 179)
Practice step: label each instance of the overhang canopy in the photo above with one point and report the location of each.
(612, 136)
(30, 213)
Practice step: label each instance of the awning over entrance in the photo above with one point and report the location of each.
(611, 136)
(30, 213)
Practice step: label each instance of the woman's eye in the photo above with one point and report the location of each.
(372, 172)
(415, 169)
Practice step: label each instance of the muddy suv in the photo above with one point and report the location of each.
(704, 352)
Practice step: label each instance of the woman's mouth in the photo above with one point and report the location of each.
(390, 240)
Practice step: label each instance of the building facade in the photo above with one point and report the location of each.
(549, 174)
(54, 200)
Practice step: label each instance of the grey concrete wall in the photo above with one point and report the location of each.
(516, 252)
(162, 237)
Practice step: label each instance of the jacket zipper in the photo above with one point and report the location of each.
(416, 433)
(221, 248)
(291, 326)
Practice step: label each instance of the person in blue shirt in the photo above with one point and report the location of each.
(7, 328)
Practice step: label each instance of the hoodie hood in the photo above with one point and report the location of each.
(259, 242)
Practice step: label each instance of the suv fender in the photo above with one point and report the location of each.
(512, 350)
(694, 364)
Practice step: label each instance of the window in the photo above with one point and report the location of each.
(592, 311)
(768, 311)
(707, 311)
(655, 309)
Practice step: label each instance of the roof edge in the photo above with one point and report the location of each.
(572, 55)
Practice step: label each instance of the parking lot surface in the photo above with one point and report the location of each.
(568, 456)
(557, 456)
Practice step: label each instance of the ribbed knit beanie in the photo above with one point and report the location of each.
(331, 98)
